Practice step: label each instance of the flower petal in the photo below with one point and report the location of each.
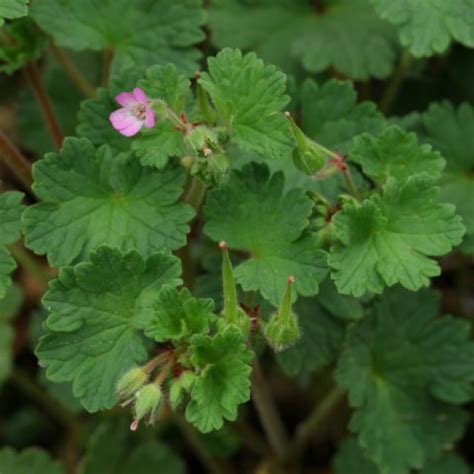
(140, 96)
(149, 118)
(122, 118)
(126, 99)
(132, 129)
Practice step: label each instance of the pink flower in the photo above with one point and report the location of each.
(134, 114)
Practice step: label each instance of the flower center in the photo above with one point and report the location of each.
(139, 110)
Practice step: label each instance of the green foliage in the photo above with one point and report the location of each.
(223, 382)
(95, 317)
(249, 97)
(92, 197)
(389, 237)
(176, 315)
(29, 461)
(449, 130)
(290, 32)
(252, 213)
(427, 27)
(404, 370)
(111, 450)
(10, 227)
(139, 35)
(10, 9)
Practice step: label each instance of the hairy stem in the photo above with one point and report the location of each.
(33, 76)
(349, 182)
(307, 429)
(268, 413)
(393, 87)
(107, 56)
(15, 161)
(195, 193)
(212, 465)
(28, 262)
(74, 73)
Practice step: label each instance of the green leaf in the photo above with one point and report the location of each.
(249, 96)
(252, 213)
(28, 461)
(395, 153)
(10, 9)
(156, 145)
(10, 228)
(167, 84)
(352, 459)
(94, 319)
(446, 464)
(94, 122)
(331, 115)
(347, 35)
(388, 239)
(91, 197)
(319, 344)
(400, 365)
(111, 450)
(9, 305)
(223, 382)
(20, 43)
(141, 34)
(449, 130)
(176, 315)
(427, 27)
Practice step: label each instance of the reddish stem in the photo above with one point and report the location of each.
(17, 163)
(34, 79)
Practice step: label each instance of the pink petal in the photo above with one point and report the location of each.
(132, 129)
(140, 95)
(122, 118)
(149, 118)
(126, 99)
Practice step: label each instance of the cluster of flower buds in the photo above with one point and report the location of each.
(135, 387)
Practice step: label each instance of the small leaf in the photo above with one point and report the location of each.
(223, 382)
(10, 9)
(174, 315)
(93, 327)
(249, 96)
(395, 153)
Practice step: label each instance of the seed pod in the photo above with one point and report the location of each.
(282, 330)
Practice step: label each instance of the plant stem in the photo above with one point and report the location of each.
(212, 465)
(15, 161)
(268, 413)
(27, 261)
(74, 73)
(393, 87)
(34, 78)
(349, 182)
(107, 56)
(307, 429)
(195, 193)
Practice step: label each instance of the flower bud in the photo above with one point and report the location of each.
(308, 157)
(282, 330)
(131, 382)
(232, 312)
(148, 403)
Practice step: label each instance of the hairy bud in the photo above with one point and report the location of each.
(148, 403)
(131, 382)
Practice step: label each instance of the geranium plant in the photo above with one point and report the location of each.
(236, 236)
